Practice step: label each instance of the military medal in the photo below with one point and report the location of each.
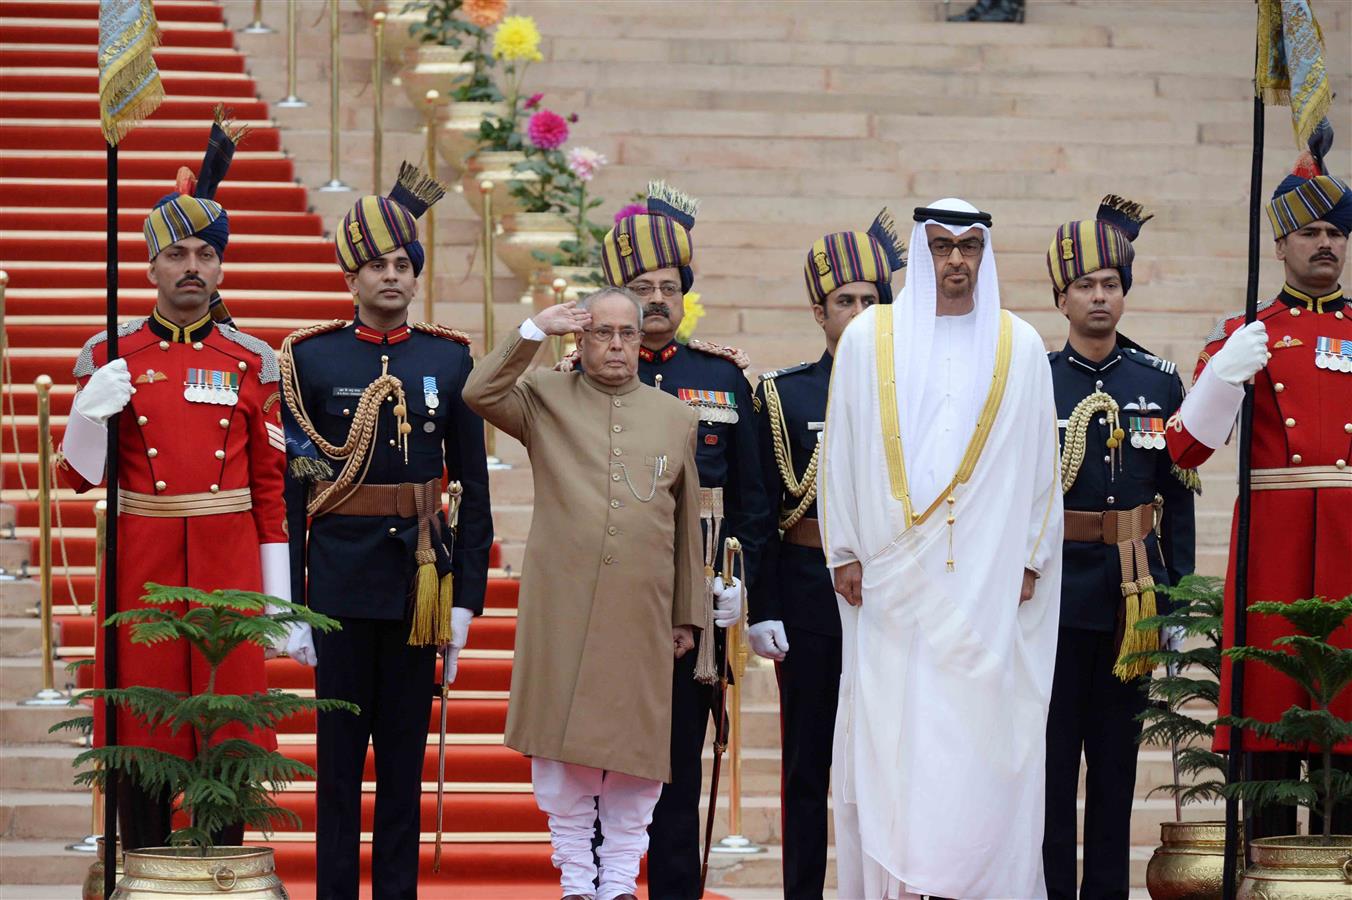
(211, 386)
(430, 393)
(1147, 432)
(1334, 354)
(711, 406)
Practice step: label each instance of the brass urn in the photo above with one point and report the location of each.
(1188, 864)
(499, 167)
(92, 889)
(243, 873)
(1300, 867)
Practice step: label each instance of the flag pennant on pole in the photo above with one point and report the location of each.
(129, 81)
(1291, 63)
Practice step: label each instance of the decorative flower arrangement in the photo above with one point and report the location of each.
(516, 42)
(547, 130)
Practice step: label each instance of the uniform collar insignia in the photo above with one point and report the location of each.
(658, 356)
(1329, 302)
(376, 336)
(1080, 362)
(177, 334)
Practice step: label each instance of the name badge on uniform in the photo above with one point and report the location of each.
(1147, 432)
(1334, 354)
(711, 406)
(211, 386)
(430, 392)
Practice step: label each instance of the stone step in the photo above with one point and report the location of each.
(51, 815)
(20, 637)
(20, 725)
(18, 597)
(42, 862)
(39, 767)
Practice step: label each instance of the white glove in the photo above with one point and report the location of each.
(768, 640)
(106, 392)
(1242, 355)
(727, 602)
(1171, 637)
(460, 619)
(299, 642)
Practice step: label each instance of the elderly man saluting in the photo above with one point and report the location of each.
(612, 587)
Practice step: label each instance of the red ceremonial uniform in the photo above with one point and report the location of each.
(200, 481)
(1300, 542)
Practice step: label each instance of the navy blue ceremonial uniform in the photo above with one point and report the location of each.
(726, 457)
(795, 587)
(1092, 710)
(361, 571)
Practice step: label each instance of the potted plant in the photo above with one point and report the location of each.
(1189, 863)
(441, 62)
(516, 43)
(231, 779)
(477, 97)
(1285, 868)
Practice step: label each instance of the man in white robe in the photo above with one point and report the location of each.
(942, 521)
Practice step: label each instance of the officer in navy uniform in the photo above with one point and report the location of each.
(1129, 529)
(650, 254)
(794, 617)
(381, 555)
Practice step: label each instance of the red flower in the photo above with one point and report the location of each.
(534, 101)
(631, 209)
(547, 130)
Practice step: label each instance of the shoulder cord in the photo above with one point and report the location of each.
(805, 489)
(1077, 428)
(362, 433)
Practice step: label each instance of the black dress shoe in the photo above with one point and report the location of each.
(992, 11)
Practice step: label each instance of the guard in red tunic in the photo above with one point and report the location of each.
(1299, 355)
(200, 479)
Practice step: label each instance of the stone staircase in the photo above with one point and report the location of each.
(789, 120)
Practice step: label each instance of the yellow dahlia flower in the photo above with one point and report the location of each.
(517, 39)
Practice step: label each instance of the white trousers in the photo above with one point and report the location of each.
(859, 876)
(572, 795)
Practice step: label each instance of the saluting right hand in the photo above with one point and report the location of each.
(1244, 353)
(106, 393)
(565, 318)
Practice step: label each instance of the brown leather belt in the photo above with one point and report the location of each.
(1110, 526)
(804, 533)
(182, 506)
(407, 500)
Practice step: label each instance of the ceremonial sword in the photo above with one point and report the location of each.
(732, 553)
(455, 492)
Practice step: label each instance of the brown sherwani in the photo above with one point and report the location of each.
(613, 560)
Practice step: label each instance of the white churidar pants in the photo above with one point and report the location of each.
(571, 796)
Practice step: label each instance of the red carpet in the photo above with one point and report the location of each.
(281, 274)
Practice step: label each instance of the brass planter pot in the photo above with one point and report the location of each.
(1189, 863)
(1301, 867)
(458, 132)
(92, 889)
(495, 166)
(526, 233)
(244, 873)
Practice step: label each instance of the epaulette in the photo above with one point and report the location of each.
(1218, 333)
(1151, 360)
(84, 363)
(569, 361)
(309, 331)
(441, 331)
(787, 370)
(731, 354)
(269, 371)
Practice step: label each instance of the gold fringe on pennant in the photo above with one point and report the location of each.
(1132, 210)
(705, 670)
(129, 80)
(419, 184)
(426, 596)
